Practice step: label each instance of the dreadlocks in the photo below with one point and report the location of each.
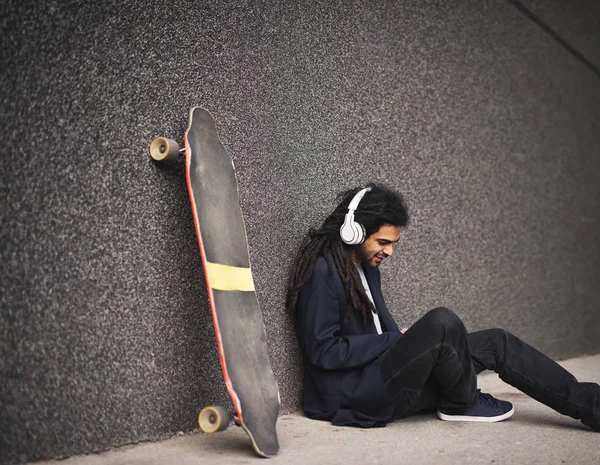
(378, 207)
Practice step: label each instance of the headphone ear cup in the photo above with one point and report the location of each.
(359, 233)
(347, 232)
(353, 233)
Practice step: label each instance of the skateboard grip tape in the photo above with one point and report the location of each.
(229, 278)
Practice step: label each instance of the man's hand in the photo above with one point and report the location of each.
(403, 330)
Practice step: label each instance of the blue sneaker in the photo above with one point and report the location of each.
(486, 409)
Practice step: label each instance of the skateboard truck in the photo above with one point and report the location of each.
(165, 150)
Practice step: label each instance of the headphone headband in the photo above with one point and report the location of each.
(357, 198)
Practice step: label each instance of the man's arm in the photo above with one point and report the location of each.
(320, 318)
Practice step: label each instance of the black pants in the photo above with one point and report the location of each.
(436, 362)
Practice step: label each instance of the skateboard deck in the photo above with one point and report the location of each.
(236, 314)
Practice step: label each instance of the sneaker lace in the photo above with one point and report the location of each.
(485, 398)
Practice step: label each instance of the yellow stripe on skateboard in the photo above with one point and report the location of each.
(229, 278)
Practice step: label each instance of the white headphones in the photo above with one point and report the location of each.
(351, 232)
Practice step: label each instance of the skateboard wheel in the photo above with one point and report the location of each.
(163, 149)
(213, 419)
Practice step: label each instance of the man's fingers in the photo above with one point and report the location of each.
(403, 330)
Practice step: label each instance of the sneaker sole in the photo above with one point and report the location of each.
(495, 419)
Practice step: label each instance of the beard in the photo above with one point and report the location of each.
(372, 259)
(361, 253)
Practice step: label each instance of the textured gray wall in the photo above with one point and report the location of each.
(489, 127)
(575, 21)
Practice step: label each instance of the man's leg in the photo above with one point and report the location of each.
(435, 346)
(533, 373)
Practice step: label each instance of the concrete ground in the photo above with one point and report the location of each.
(535, 434)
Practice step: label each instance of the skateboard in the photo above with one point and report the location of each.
(236, 314)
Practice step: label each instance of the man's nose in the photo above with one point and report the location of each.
(388, 250)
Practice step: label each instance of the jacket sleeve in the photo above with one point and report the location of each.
(323, 344)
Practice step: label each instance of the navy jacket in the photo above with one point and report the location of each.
(342, 381)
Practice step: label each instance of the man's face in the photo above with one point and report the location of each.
(377, 246)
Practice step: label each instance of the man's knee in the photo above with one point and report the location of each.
(499, 336)
(444, 317)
